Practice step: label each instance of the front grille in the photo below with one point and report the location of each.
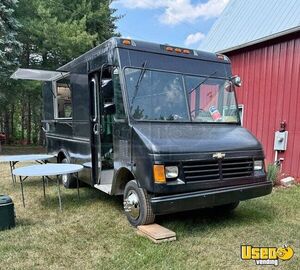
(203, 170)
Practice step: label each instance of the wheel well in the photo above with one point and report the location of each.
(122, 178)
(61, 155)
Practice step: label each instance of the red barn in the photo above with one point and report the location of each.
(262, 39)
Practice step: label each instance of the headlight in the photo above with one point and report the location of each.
(258, 165)
(171, 171)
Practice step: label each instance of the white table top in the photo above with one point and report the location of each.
(19, 158)
(47, 169)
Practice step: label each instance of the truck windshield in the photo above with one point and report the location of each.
(167, 96)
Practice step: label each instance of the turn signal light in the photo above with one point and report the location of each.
(159, 174)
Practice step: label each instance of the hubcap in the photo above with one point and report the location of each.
(132, 204)
(64, 178)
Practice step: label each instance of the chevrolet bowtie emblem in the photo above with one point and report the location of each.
(219, 155)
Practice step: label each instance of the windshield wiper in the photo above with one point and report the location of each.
(136, 88)
(199, 84)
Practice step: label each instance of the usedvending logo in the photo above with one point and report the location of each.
(266, 255)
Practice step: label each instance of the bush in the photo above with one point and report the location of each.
(272, 172)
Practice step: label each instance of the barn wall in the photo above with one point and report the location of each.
(271, 94)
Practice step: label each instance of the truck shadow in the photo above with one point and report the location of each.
(24, 222)
(198, 219)
(87, 196)
(259, 212)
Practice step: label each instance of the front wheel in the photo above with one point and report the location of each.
(137, 205)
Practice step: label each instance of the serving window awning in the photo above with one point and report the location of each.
(37, 75)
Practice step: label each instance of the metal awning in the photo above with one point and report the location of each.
(37, 75)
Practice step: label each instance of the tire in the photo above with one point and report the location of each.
(67, 179)
(227, 207)
(137, 205)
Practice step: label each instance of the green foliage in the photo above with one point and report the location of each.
(55, 32)
(272, 173)
(9, 46)
(9, 52)
(52, 33)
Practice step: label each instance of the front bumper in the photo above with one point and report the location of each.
(208, 198)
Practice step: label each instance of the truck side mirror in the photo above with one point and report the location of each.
(237, 81)
(109, 108)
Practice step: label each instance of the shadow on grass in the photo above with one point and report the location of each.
(198, 219)
(87, 196)
(21, 222)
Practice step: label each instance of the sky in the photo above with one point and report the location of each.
(183, 23)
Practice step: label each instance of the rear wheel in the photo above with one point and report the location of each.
(68, 180)
(137, 205)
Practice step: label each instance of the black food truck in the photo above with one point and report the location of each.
(155, 123)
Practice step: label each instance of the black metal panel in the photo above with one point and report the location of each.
(48, 101)
(175, 138)
(107, 48)
(209, 198)
(173, 63)
(80, 97)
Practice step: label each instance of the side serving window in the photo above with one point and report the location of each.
(118, 99)
(62, 99)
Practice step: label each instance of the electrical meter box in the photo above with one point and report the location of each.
(280, 142)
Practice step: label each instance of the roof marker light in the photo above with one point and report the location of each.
(169, 49)
(126, 42)
(221, 56)
(178, 50)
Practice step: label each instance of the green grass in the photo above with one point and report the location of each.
(94, 234)
(272, 173)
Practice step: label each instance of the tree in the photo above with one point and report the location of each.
(53, 32)
(9, 46)
(9, 51)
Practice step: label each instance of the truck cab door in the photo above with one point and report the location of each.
(95, 124)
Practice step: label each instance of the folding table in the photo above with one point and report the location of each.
(47, 170)
(14, 159)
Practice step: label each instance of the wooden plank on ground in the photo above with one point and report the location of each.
(156, 233)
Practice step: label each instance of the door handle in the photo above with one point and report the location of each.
(96, 129)
(95, 100)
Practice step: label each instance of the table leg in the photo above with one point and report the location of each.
(22, 190)
(77, 180)
(11, 172)
(13, 167)
(59, 198)
(44, 189)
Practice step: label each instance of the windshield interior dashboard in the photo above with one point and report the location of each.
(155, 95)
